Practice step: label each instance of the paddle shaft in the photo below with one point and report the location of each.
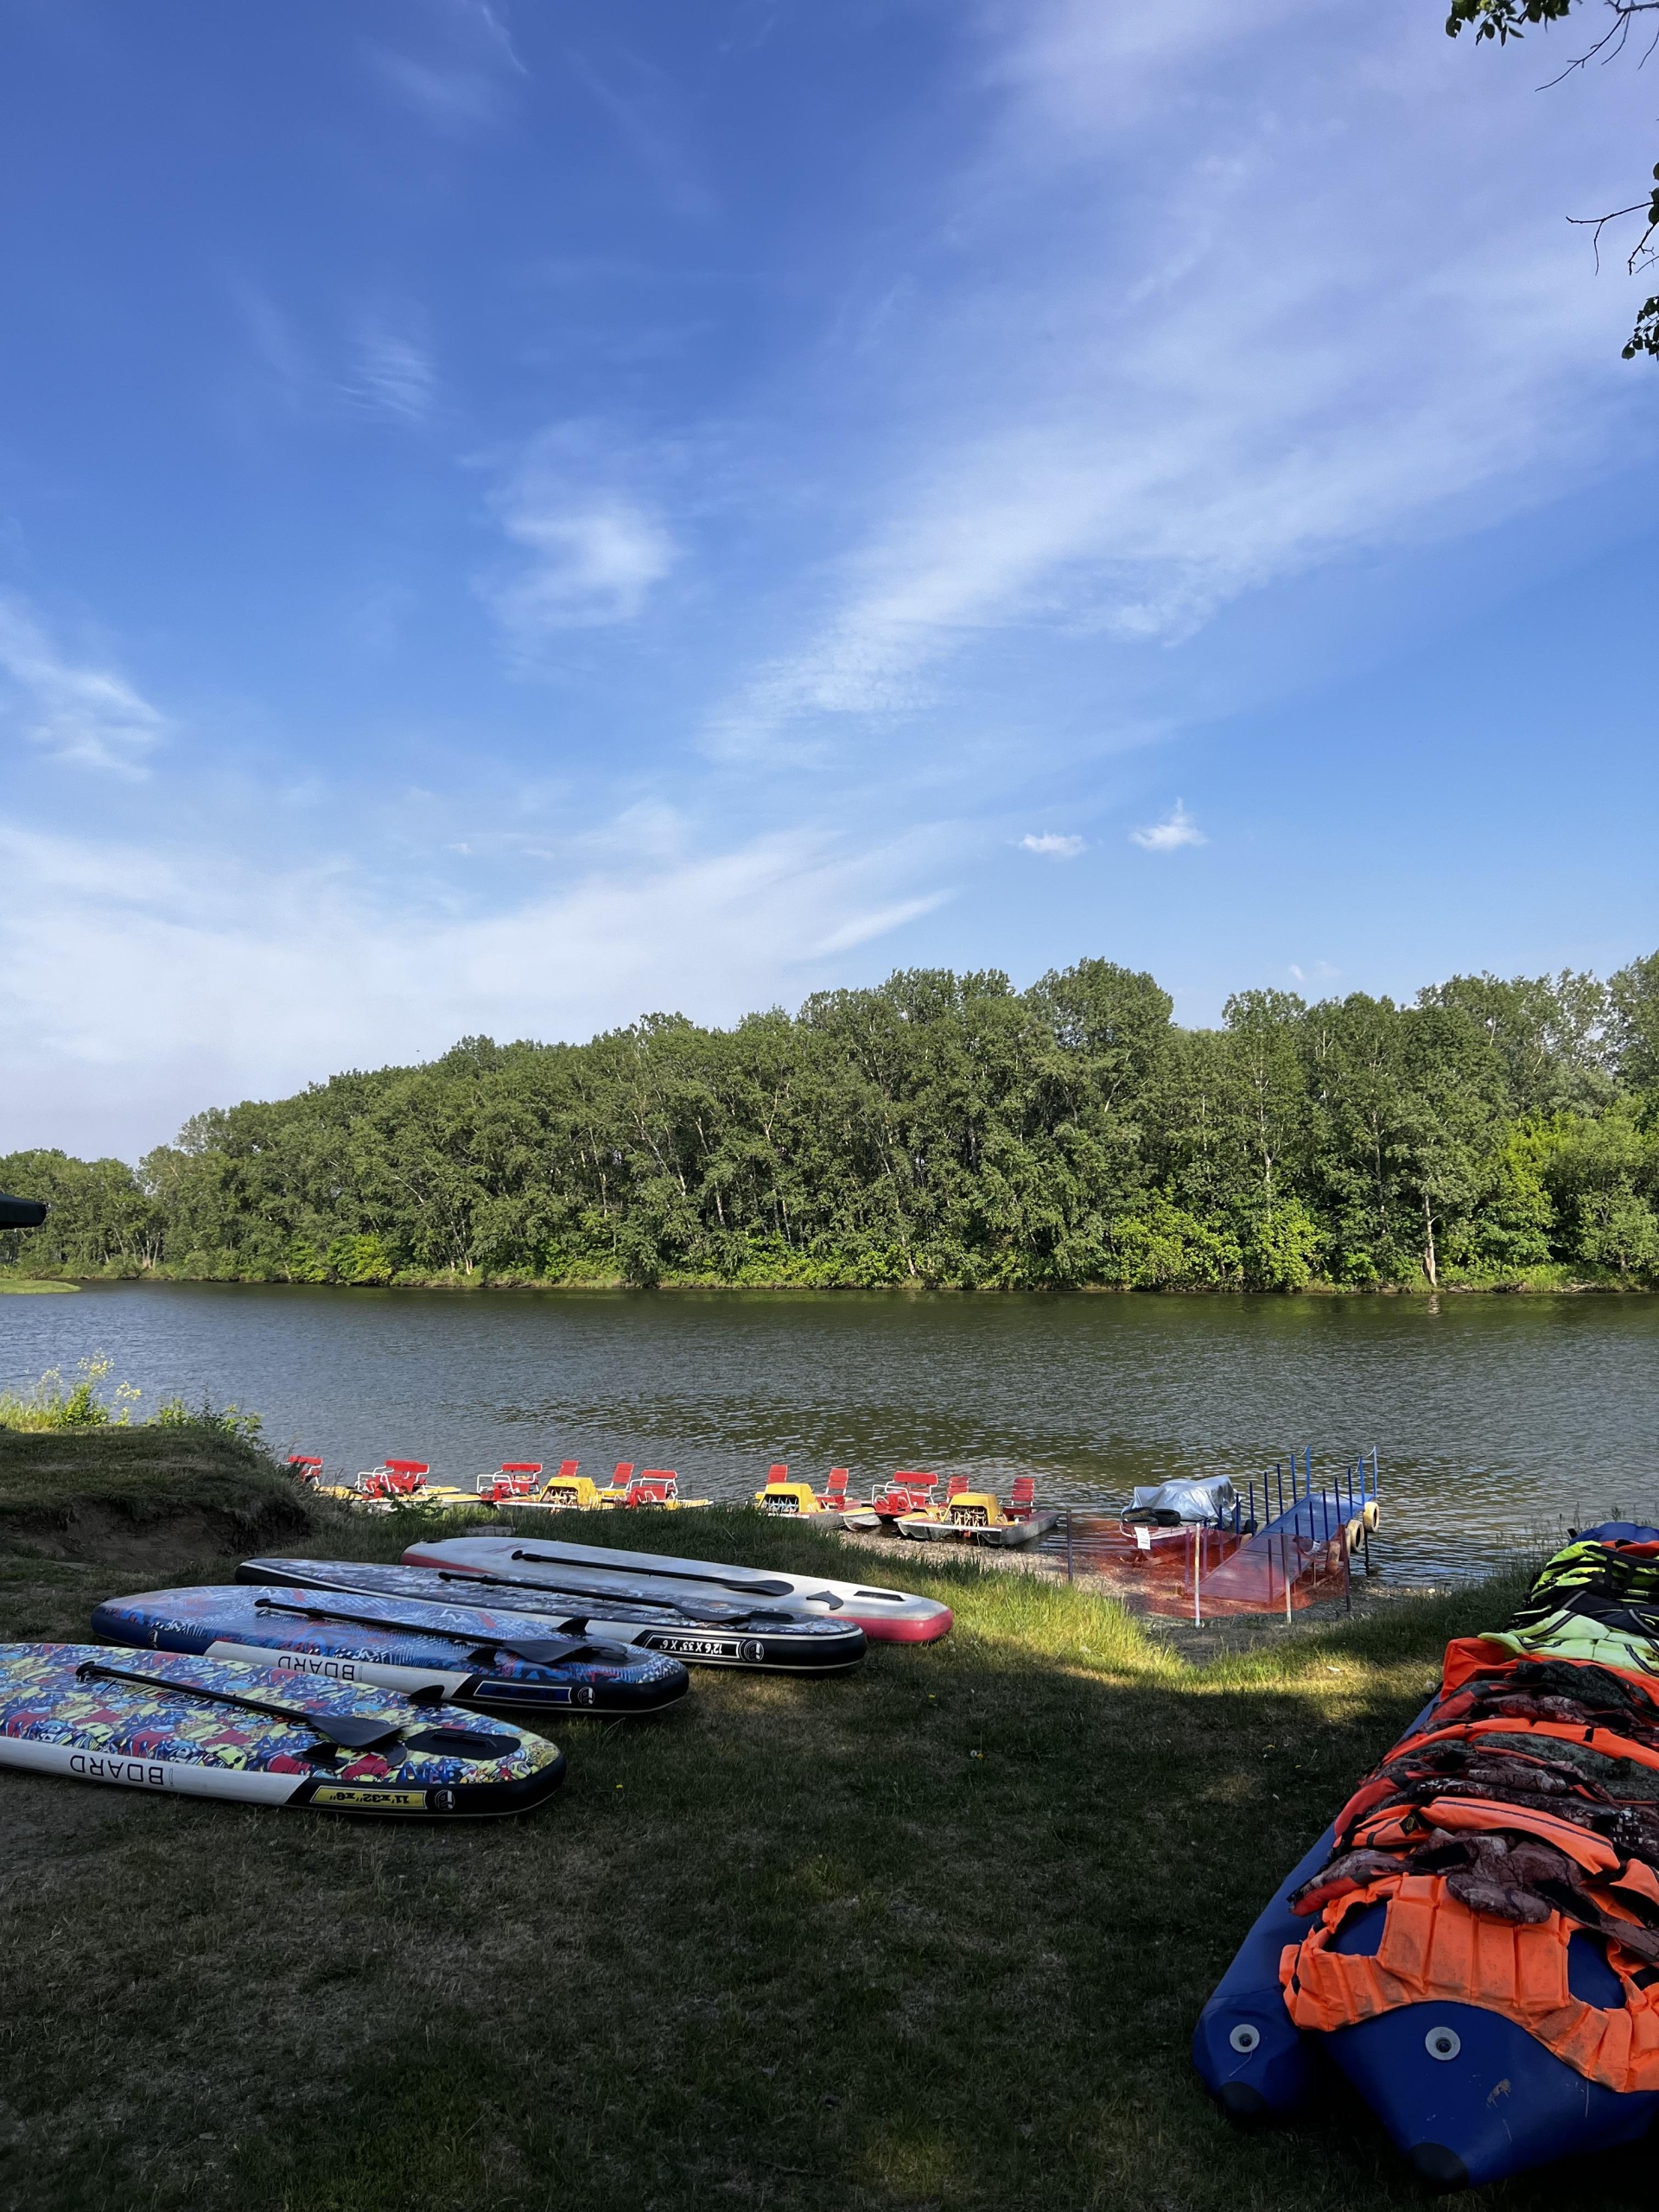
(345, 1729)
(683, 1575)
(544, 1651)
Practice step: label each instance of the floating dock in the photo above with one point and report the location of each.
(1289, 1542)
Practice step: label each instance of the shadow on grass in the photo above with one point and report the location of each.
(932, 1935)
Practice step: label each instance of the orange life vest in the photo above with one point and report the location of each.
(1350, 1822)
(1433, 1947)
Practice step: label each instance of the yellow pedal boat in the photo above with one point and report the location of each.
(790, 1501)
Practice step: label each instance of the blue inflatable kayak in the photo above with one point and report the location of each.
(1474, 1942)
(471, 1656)
(697, 1632)
(198, 1727)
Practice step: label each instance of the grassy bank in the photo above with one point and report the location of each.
(89, 1492)
(931, 1937)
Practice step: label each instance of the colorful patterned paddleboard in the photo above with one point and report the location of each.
(885, 1616)
(215, 1728)
(472, 1657)
(702, 1635)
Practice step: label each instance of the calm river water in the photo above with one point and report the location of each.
(1493, 1415)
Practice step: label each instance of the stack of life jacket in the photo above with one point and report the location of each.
(1476, 1938)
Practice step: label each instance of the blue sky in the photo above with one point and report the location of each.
(514, 516)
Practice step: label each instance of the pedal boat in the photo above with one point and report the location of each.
(512, 1480)
(979, 1517)
(790, 1501)
(909, 1491)
(307, 1468)
(401, 1483)
(571, 1491)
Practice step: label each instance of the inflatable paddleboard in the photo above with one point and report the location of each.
(202, 1728)
(885, 1616)
(1474, 1941)
(700, 1634)
(472, 1657)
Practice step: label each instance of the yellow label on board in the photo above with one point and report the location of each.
(381, 1801)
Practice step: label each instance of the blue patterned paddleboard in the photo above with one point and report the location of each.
(700, 1634)
(474, 1657)
(215, 1728)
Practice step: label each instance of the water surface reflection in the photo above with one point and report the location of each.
(1492, 1413)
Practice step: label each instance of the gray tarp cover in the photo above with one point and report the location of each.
(1203, 1499)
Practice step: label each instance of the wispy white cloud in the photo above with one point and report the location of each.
(384, 369)
(275, 342)
(594, 560)
(460, 83)
(455, 100)
(1177, 828)
(489, 27)
(391, 374)
(645, 108)
(140, 985)
(1052, 846)
(1161, 365)
(74, 711)
(880, 921)
(597, 546)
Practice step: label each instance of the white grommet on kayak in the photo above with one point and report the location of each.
(885, 1616)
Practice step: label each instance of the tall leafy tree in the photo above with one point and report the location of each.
(937, 1128)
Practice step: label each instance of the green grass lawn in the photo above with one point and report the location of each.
(931, 1936)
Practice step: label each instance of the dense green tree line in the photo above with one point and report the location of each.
(938, 1128)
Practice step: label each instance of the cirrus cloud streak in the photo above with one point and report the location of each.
(140, 986)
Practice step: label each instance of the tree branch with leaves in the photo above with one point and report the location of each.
(1504, 20)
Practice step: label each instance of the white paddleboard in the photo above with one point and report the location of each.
(885, 1616)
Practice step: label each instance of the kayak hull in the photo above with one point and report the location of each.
(1439, 2036)
(1500, 2104)
(885, 1616)
(165, 1736)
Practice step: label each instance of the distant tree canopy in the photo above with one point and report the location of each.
(1505, 20)
(938, 1128)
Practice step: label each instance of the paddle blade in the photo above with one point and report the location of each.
(352, 1732)
(462, 1743)
(550, 1652)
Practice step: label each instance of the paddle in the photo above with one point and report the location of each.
(346, 1732)
(351, 1732)
(543, 1651)
(710, 1612)
(753, 1588)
